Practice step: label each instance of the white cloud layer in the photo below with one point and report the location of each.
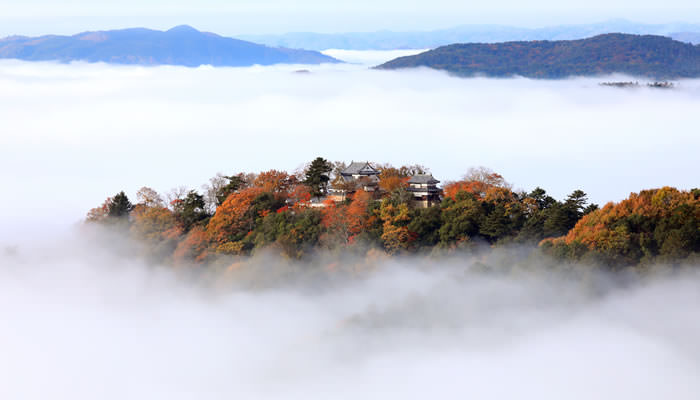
(83, 324)
(75, 134)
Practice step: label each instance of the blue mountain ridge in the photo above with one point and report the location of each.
(181, 45)
(481, 33)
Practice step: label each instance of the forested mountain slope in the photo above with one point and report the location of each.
(650, 56)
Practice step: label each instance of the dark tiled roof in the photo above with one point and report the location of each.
(423, 179)
(360, 168)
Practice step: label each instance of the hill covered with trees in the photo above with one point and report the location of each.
(241, 214)
(649, 56)
(182, 45)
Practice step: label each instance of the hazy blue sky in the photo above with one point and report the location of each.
(276, 16)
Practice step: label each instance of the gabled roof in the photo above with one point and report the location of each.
(360, 168)
(422, 179)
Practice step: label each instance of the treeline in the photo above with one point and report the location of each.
(241, 214)
(661, 225)
(651, 56)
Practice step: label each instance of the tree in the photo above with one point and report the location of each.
(300, 197)
(316, 176)
(274, 181)
(149, 197)
(153, 224)
(232, 220)
(335, 224)
(294, 233)
(120, 206)
(496, 224)
(561, 217)
(358, 213)
(194, 248)
(541, 198)
(426, 223)
(461, 218)
(99, 214)
(576, 202)
(659, 223)
(415, 169)
(190, 210)
(235, 183)
(176, 194)
(391, 179)
(476, 181)
(395, 218)
(157, 228)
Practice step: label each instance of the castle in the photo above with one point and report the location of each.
(363, 176)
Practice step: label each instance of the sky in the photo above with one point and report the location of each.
(32, 17)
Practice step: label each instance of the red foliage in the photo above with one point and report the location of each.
(596, 231)
(274, 181)
(357, 213)
(194, 248)
(232, 216)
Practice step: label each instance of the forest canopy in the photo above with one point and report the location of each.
(650, 56)
(298, 214)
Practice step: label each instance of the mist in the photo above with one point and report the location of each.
(74, 134)
(83, 319)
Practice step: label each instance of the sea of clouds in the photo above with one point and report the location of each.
(81, 320)
(73, 134)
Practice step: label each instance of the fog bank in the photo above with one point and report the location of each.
(81, 322)
(75, 134)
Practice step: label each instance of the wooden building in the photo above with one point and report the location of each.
(357, 176)
(425, 191)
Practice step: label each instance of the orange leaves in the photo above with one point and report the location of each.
(396, 235)
(357, 212)
(334, 221)
(300, 196)
(496, 194)
(597, 231)
(391, 179)
(475, 187)
(479, 181)
(194, 248)
(274, 181)
(343, 222)
(231, 218)
(99, 214)
(332, 214)
(152, 223)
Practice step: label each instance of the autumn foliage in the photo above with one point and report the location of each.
(274, 181)
(477, 181)
(242, 213)
(232, 219)
(194, 248)
(653, 223)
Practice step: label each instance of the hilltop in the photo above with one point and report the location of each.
(182, 45)
(363, 206)
(650, 56)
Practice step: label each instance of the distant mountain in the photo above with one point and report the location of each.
(387, 40)
(688, 37)
(182, 45)
(650, 56)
